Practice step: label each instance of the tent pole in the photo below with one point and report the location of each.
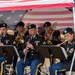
(74, 17)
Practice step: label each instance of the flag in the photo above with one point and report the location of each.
(39, 11)
(11, 18)
(63, 17)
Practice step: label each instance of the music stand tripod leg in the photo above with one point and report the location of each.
(4, 54)
(51, 60)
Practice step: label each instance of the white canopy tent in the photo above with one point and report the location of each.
(39, 11)
(33, 4)
(46, 6)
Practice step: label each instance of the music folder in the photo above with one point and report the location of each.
(47, 50)
(8, 50)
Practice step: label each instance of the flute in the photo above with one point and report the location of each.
(63, 42)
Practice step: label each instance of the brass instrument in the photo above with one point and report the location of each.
(18, 39)
(53, 29)
(48, 41)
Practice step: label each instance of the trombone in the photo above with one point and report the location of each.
(53, 29)
(48, 41)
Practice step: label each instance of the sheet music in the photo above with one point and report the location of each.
(65, 54)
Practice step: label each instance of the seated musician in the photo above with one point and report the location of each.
(5, 39)
(70, 47)
(50, 34)
(33, 57)
(47, 30)
(56, 38)
(19, 37)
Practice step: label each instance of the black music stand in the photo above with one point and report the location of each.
(9, 51)
(57, 52)
(52, 51)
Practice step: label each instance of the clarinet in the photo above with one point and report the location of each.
(0, 37)
(26, 52)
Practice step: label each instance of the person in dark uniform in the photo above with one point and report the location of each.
(47, 29)
(56, 38)
(33, 55)
(69, 48)
(19, 35)
(5, 39)
(50, 34)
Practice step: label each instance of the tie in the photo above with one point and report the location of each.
(32, 38)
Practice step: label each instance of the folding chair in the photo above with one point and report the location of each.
(39, 70)
(72, 68)
(8, 68)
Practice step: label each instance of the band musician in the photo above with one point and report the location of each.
(5, 39)
(70, 47)
(33, 57)
(19, 37)
(50, 34)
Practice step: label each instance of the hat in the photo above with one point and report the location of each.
(3, 25)
(31, 26)
(20, 24)
(68, 30)
(46, 24)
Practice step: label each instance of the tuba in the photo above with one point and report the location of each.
(48, 41)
